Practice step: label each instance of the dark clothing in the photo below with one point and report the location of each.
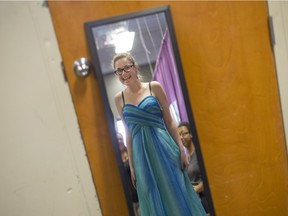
(133, 191)
(194, 174)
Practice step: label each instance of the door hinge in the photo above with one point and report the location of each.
(271, 30)
(64, 71)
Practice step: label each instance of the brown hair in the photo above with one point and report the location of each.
(130, 58)
(185, 124)
(124, 55)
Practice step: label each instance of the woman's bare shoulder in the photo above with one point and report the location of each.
(156, 86)
(118, 96)
(155, 83)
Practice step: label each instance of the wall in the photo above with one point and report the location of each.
(279, 10)
(44, 168)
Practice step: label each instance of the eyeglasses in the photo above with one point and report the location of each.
(126, 68)
(184, 134)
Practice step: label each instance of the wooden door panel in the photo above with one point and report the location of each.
(229, 70)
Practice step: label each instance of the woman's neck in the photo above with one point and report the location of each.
(135, 88)
(191, 148)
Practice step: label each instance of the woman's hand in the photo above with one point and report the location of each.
(133, 178)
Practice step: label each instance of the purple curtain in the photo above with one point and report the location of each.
(166, 73)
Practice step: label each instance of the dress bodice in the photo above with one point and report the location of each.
(147, 113)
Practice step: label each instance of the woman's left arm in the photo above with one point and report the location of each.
(169, 122)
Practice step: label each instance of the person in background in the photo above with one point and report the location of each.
(122, 147)
(156, 155)
(193, 167)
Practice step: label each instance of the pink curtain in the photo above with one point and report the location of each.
(167, 74)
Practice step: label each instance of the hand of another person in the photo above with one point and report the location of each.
(199, 187)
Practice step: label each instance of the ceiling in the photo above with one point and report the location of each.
(149, 31)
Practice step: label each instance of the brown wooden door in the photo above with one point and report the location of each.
(229, 70)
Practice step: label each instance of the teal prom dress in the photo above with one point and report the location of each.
(163, 188)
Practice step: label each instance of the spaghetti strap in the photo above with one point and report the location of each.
(150, 88)
(123, 99)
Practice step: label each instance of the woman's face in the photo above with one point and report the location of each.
(186, 136)
(127, 71)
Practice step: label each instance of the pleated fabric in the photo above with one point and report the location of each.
(163, 187)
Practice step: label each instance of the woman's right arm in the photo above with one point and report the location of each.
(119, 105)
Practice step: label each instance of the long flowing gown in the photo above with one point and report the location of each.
(163, 187)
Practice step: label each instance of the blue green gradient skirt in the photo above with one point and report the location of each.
(163, 187)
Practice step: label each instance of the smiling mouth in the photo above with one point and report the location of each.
(126, 78)
(183, 142)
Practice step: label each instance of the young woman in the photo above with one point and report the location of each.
(155, 151)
